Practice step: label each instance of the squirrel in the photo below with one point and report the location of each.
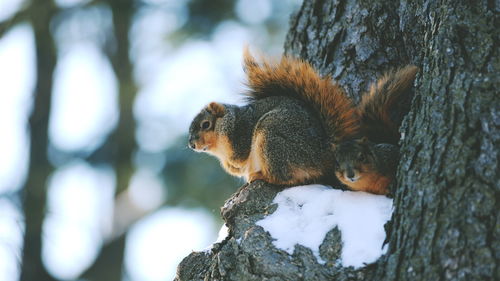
(284, 135)
(365, 166)
(370, 162)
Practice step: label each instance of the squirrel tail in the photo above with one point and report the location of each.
(382, 109)
(296, 78)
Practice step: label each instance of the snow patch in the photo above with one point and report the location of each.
(305, 214)
(223, 233)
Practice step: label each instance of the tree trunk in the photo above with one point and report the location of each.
(446, 224)
(446, 220)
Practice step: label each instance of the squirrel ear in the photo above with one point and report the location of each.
(216, 109)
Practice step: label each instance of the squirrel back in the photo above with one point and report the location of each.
(296, 78)
(285, 133)
(382, 109)
(276, 139)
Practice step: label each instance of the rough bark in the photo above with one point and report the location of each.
(248, 253)
(446, 224)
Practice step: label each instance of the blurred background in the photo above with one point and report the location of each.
(96, 181)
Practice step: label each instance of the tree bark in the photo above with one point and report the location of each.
(446, 224)
(446, 221)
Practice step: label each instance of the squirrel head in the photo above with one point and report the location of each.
(202, 133)
(353, 158)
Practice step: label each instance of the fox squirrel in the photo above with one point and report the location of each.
(299, 128)
(284, 135)
(365, 166)
(369, 164)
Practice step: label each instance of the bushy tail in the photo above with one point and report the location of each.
(382, 109)
(296, 78)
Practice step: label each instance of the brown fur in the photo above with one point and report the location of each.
(220, 147)
(303, 175)
(296, 78)
(365, 166)
(368, 181)
(257, 163)
(287, 133)
(383, 99)
(224, 152)
(210, 140)
(372, 160)
(252, 168)
(216, 109)
(257, 166)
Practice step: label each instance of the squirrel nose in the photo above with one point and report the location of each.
(191, 143)
(350, 174)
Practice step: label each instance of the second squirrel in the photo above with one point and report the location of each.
(369, 164)
(366, 166)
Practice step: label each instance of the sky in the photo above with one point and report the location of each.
(84, 112)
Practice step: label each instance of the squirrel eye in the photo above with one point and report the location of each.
(205, 125)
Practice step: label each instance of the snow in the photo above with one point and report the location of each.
(305, 214)
(223, 233)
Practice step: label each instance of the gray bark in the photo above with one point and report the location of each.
(248, 253)
(446, 224)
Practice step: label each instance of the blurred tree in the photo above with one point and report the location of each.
(35, 190)
(124, 135)
(191, 179)
(40, 15)
(109, 264)
(204, 16)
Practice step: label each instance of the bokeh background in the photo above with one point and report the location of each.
(96, 181)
